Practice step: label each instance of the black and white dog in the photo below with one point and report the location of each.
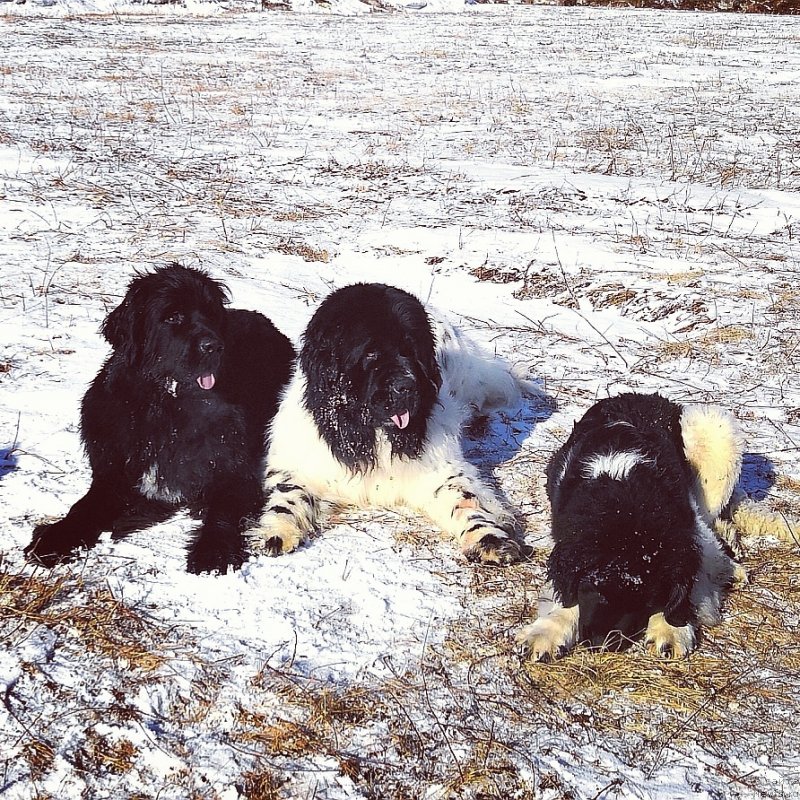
(372, 418)
(176, 417)
(635, 493)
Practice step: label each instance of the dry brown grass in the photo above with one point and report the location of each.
(40, 757)
(306, 252)
(685, 278)
(103, 753)
(279, 738)
(311, 718)
(704, 346)
(485, 272)
(62, 601)
(262, 785)
(788, 482)
(298, 215)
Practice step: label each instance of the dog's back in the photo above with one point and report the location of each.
(477, 381)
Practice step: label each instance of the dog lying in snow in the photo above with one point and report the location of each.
(176, 418)
(635, 494)
(372, 418)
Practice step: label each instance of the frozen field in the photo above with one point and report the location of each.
(610, 199)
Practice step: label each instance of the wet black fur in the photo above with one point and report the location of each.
(145, 408)
(624, 549)
(368, 353)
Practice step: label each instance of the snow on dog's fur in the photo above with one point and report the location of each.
(372, 417)
(635, 492)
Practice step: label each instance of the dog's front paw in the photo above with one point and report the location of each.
(536, 643)
(494, 550)
(549, 637)
(739, 578)
(667, 641)
(485, 542)
(49, 547)
(212, 553)
(275, 534)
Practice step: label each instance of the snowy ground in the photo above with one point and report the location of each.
(610, 199)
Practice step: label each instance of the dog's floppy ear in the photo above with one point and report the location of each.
(121, 324)
(423, 349)
(430, 367)
(118, 325)
(678, 610)
(321, 360)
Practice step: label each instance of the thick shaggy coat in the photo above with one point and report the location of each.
(176, 417)
(634, 494)
(372, 418)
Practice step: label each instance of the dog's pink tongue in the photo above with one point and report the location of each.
(207, 381)
(401, 420)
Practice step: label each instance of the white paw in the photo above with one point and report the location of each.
(667, 641)
(487, 543)
(551, 636)
(275, 534)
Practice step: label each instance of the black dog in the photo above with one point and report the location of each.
(372, 418)
(176, 417)
(634, 493)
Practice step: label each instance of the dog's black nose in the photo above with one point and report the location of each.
(209, 345)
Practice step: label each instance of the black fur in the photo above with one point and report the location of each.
(624, 548)
(185, 397)
(369, 355)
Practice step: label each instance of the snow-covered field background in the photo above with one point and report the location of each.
(610, 199)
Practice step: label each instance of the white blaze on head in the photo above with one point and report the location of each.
(616, 465)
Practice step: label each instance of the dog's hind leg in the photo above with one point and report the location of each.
(95, 512)
(462, 505)
(290, 516)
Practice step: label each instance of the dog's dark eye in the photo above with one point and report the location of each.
(176, 318)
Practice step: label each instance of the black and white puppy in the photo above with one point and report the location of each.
(175, 418)
(635, 493)
(372, 417)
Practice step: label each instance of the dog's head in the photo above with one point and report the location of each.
(614, 609)
(370, 363)
(170, 327)
(619, 581)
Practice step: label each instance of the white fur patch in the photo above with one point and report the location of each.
(479, 380)
(616, 465)
(150, 488)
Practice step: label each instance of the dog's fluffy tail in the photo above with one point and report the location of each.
(473, 378)
(713, 445)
